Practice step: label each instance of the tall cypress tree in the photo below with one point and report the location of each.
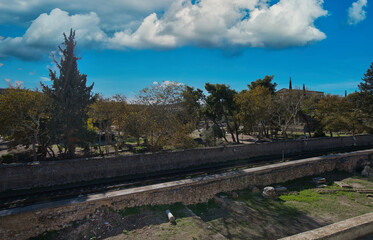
(366, 93)
(70, 97)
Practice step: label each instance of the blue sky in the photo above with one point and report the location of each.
(325, 45)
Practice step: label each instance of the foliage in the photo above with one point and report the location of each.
(70, 98)
(287, 107)
(265, 82)
(164, 115)
(7, 158)
(192, 104)
(23, 116)
(365, 101)
(211, 135)
(308, 113)
(107, 113)
(336, 113)
(140, 149)
(222, 109)
(136, 121)
(255, 109)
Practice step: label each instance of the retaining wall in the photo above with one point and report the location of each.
(22, 223)
(353, 228)
(25, 176)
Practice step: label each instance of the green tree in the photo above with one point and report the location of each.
(165, 122)
(287, 107)
(192, 104)
(331, 112)
(265, 82)
(108, 113)
(222, 109)
(70, 98)
(366, 95)
(22, 117)
(255, 110)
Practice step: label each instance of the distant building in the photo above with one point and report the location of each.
(309, 92)
(313, 93)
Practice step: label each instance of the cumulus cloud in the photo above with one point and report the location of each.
(114, 14)
(234, 24)
(221, 23)
(45, 33)
(356, 12)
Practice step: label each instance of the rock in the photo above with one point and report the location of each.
(342, 184)
(367, 171)
(234, 195)
(321, 185)
(319, 180)
(269, 192)
(280, 189)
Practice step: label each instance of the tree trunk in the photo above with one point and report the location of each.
(34, 154)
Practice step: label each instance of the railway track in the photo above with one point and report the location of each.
(21, 198)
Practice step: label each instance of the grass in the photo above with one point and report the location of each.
(203, 208)
(302, 208)
(307, 195)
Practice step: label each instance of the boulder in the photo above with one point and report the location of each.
(367, 171)
(280, 189)
(319, 180)
(269, 192)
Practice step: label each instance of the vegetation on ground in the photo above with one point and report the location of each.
(250, 216)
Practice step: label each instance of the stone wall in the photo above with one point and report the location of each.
(25, 176)
(22, 223)
(349, 229)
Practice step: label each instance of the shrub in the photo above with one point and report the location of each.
(8, 158)
(141, 149)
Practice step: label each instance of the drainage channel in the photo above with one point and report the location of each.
(29, 197)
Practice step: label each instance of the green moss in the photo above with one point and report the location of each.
(307, 195)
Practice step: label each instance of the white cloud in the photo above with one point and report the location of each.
(45, 79)
(221, 23)
(234, 24)
(45, 33)
(115, 14)
(356, 12)
(1, 64)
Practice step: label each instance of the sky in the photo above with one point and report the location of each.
(127, 45)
